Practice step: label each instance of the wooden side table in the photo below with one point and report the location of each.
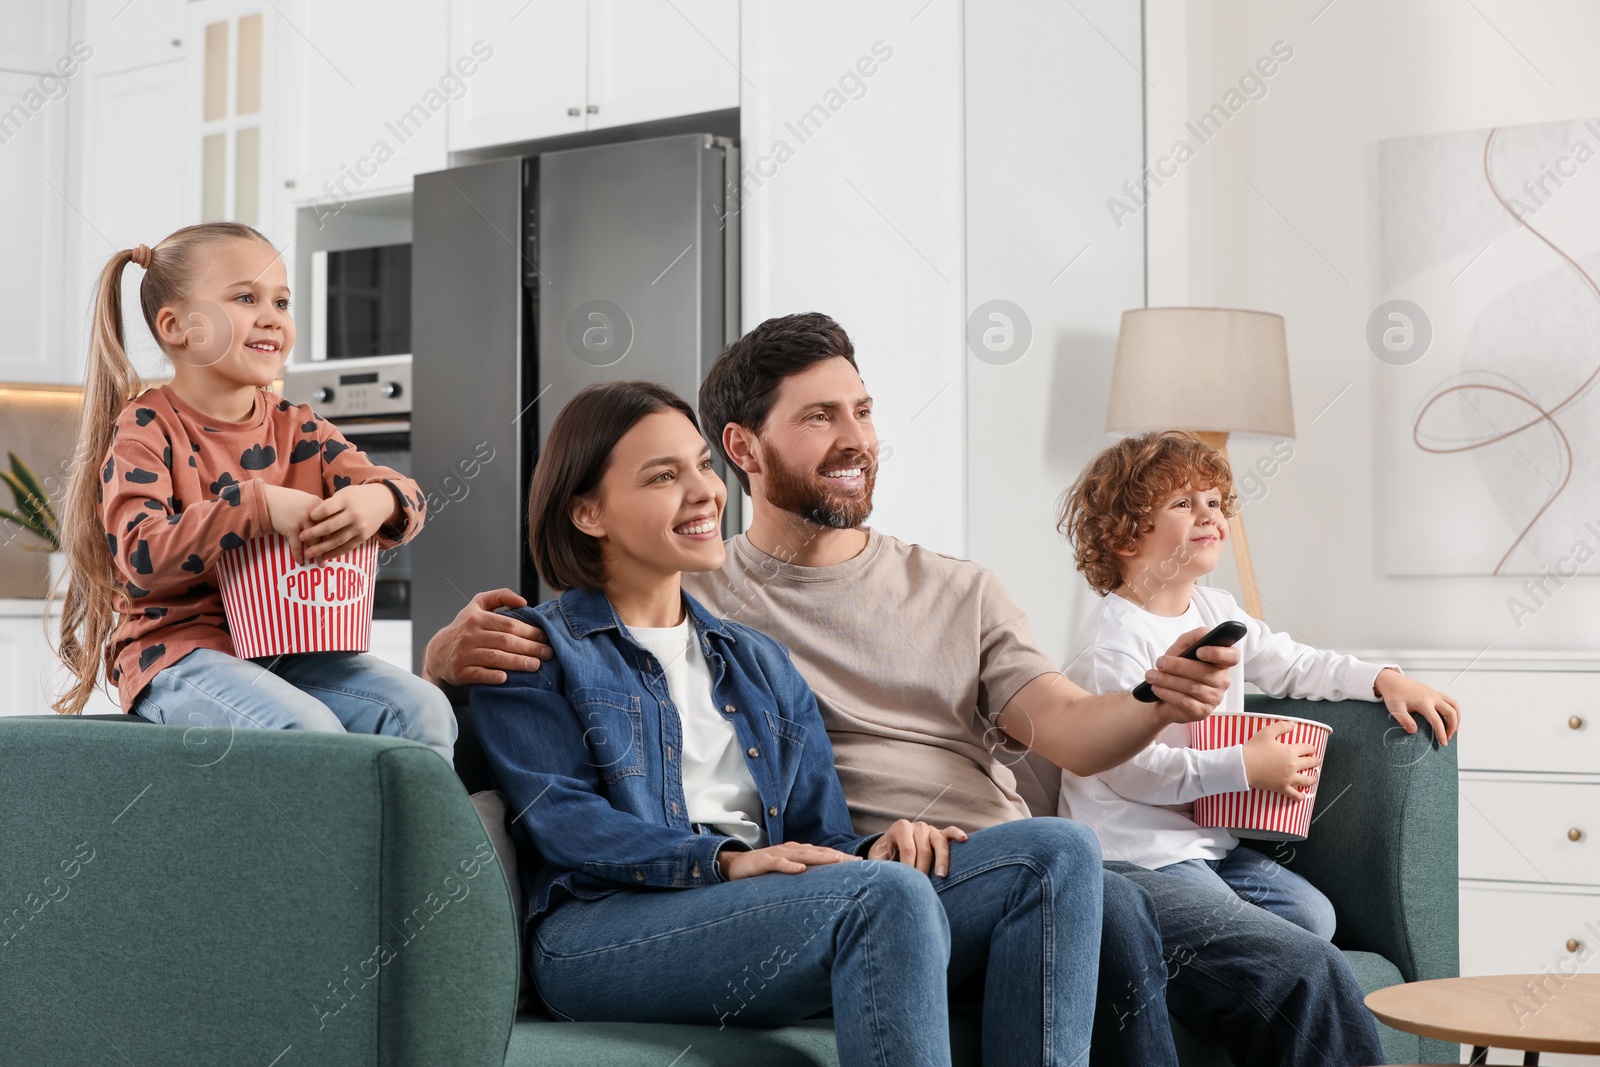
(1533, 1013)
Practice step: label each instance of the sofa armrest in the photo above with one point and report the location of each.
(208, 896)
(1383, 841)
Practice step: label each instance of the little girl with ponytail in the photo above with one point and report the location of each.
(166, 479)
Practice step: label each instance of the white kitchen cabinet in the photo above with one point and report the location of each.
(236, 112)
(127, 191)
(30, 675)
(33, 208)
(533, 83)
(391, 642)
(366, 88)
(17, 652)
(656, 59)
(564, 66)
(35, 34)
(126, 35)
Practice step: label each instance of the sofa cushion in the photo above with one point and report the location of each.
(491, 808)
(537, 1040)
(1375, 972)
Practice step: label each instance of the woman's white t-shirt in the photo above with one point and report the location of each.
(716, 781)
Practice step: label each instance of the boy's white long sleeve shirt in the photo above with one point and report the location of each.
(1141, 810)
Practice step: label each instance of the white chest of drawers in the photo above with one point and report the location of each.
(1529, 758)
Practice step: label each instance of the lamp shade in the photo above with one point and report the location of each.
(1208, 369)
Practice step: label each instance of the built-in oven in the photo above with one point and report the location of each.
(369, 400)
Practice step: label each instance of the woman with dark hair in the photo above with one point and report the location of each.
(686, 851)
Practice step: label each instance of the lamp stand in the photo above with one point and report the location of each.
(1218, 442)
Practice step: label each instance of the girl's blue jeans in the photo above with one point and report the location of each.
(326, 691)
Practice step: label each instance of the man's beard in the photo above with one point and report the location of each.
(808, 495)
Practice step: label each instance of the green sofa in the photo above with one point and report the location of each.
(172, 896)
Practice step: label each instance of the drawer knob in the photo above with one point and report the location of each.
(1573, 944)
(1574, 834)
(1575, 723)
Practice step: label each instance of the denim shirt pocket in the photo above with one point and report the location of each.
(791, 749)
(613, 731)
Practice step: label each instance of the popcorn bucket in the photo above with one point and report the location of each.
(1256, 813)
(276, 607)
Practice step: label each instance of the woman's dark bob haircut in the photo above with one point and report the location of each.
(573, 461)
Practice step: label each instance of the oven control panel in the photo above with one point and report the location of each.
(351, 388)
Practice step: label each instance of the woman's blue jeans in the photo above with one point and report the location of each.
(878, 942)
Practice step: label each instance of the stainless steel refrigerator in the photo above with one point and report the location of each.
(532, 278)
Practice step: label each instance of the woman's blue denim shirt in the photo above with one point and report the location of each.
(588, 751)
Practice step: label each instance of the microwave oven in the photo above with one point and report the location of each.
(361, 302)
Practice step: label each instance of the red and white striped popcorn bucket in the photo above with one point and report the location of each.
(276, 607)
(1256, 813)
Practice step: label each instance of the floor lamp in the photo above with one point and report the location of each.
(1216, 371)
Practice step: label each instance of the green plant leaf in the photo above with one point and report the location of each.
(43, 534)
(29, 507)
(12, 516)
(34, 511)
(17, 488)
(33, 486)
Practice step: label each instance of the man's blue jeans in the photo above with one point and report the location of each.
(1265, 883)
(879, 942)
(327, 691)
(1272, 991)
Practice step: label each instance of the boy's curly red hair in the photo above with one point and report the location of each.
(1110, 504)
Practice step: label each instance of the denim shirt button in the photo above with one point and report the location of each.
(695, 870)
(728, 709)
(638, 876)
(752, 752)
(772, 811)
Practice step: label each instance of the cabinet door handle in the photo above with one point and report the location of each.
(1574, 834)
(1573, 944)
(1575, 723)
(573, 112)
(593, 109)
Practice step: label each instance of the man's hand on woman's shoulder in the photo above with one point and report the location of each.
(480, 645)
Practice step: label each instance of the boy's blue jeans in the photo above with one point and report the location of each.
(1275, 993)
(1265, 883)
(328, 691)
(879, 942)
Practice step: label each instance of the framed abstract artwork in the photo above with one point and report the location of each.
(1488, 329)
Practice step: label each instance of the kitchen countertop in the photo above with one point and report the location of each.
(22, 607)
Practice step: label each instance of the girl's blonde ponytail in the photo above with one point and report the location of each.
(86, 614)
